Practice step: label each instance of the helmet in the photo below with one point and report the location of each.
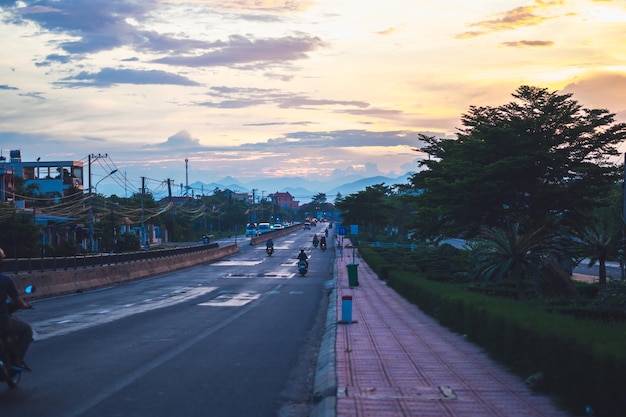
(301, 250)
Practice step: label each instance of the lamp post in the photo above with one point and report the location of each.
(91, 206)
(95, 188)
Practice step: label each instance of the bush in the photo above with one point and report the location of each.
(128, 242)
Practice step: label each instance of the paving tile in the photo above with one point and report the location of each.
(396, 361)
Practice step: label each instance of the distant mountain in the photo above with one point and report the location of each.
(301, 189)
(230, 180)
(360, 185)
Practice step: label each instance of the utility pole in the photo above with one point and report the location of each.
(92, 158)
(186, 176)
(143, 231)
(172, 208)
(254, 205)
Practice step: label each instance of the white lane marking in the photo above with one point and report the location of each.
(232, 300)
(72, 322)
(228, 262)
(282, 274)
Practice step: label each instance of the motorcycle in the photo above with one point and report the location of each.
(315, 242)
(269, 250)
(323, 245)
(302, 267)
(10, 373)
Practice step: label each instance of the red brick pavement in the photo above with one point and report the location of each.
(397, 361)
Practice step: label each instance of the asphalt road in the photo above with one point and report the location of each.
(237, 337)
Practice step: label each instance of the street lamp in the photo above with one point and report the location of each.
(91, 206)
(95, 188)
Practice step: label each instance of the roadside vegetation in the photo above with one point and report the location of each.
(533, 188)
(118, 221)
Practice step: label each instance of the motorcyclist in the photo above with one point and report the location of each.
(315, 240)
(302, 257)
(10, 325)
(269, 244)
(323, 241)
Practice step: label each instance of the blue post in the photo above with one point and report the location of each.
(346, 309)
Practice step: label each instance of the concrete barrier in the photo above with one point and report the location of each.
(275, 233)
(53, 283)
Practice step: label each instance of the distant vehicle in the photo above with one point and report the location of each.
(278, 226)
(307, 226)
(264, 228)
(251, 229)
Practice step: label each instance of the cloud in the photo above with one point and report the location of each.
(233, 97)
(512, 19)
(37, 95)
(102, 25)
(242, 50)
(605, 90)
(107, 77)
(179, 141)
(347, 138)
(54, 58)
(257, 5)
(518, 44)
(389, 31)
(382, 113)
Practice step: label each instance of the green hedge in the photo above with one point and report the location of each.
(583, 363)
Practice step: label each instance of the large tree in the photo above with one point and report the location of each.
(542, 154)
(370, 208)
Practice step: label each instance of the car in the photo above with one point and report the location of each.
(307, 226)
(278, 226)
(264, 228)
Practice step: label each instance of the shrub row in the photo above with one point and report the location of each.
(581, 362)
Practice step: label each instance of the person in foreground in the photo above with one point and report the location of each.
(10, 325)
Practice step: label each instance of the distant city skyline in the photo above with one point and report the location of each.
(317, 89)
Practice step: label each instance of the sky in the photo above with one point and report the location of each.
(195, 90)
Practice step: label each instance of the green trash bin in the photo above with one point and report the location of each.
(353, 275)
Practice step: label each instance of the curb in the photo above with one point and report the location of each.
(325, 384)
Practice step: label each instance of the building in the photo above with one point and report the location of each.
(52, 179)
(284, 200)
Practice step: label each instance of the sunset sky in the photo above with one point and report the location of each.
(261, 88)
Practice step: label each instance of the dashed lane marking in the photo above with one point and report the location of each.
(57, 326)
(232, 300)
(230, 262)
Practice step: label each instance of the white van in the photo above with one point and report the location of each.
(264, 228)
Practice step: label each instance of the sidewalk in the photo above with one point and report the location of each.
(397, 361)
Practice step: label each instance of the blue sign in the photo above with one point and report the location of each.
(342, 231)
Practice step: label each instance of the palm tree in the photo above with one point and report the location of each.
(599, 242)
(510, 253)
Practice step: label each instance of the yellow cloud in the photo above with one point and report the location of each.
(518, 44)
(519, 17)
(600, 90)
(388, 31)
